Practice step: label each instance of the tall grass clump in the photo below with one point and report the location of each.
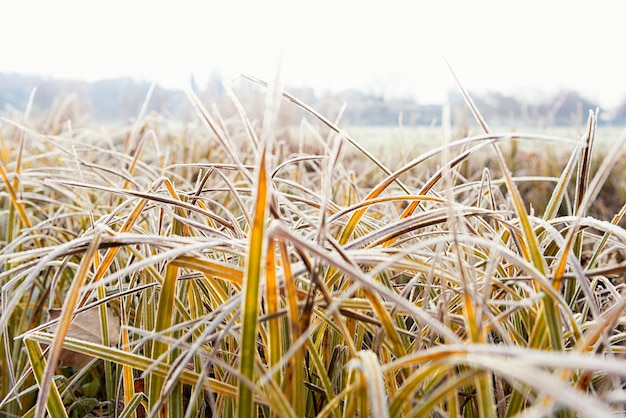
(217, 268)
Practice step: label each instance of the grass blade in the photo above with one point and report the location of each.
(252, 282)
(53, 401)
(367, 364)
(137, 362)
(69, 306)
(164, 318)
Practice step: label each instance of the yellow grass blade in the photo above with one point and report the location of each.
(250, 301)
(317, 367)
(386, 321)
(69, 306)
(138, 362)
(53, 401)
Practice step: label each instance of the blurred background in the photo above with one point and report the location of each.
(525, 63)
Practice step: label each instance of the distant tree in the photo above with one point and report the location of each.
(215, 87)
(15, 90)
(567, 107)
(121, 98)
(506, 107)
(619, 116)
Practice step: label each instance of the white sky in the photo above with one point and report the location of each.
(395, 47)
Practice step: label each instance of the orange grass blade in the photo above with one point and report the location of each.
(14, 199)
(228, 272)
(275, 334)
(294, 375)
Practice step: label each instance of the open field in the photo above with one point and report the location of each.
(238, 267)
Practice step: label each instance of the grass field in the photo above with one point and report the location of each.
(235, 266)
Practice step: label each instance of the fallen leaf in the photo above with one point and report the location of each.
(86, 326)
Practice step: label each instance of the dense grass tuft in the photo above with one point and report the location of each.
(233, 266)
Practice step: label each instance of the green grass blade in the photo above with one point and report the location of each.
(130, 410)
(449, 388)
(164, 318)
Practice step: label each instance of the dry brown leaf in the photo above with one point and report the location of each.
(86, 326)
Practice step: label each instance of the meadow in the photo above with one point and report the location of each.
(237, 266)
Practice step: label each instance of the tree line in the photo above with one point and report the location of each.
(121, 98)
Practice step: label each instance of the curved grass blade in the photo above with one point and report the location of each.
(369, 367)
(212, 268)
(605, 237)
(332, 126)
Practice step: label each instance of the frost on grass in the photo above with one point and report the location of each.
(418, 285)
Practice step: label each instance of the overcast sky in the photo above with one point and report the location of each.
(392, 47)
